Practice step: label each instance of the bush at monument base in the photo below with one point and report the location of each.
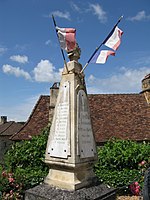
(119, 163)
(122, 163)
(25, 161)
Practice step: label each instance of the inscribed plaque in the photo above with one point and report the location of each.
(59, 145)
(86, 143)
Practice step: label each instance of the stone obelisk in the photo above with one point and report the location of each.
(71, 150)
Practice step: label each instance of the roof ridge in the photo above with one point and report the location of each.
(106, 94)
(46, 95)
(11, 122)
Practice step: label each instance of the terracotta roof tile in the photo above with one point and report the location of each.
(37, 120)
(9, 128)
(125, 116)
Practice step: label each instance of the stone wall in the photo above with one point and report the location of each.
(5, 144)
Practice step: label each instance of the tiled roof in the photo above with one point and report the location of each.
(36, 122)
(9, 128)
(125, 116)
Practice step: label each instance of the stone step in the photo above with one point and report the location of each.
(47, 192)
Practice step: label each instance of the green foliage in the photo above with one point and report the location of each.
(118, 162)
(27, 153)
(9, 188)
(25, 160)
(31, 176)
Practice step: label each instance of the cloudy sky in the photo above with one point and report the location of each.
(30, 57)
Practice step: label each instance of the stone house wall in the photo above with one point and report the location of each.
(5, 144)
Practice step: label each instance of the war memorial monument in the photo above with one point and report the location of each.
(71, 149)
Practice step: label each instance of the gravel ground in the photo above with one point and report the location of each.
(129, 198)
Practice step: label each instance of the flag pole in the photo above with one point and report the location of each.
(97, 48)
(62, 52)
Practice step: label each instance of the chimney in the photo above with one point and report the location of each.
(146, 88)
(53, 94)
(3, 120)
(53, 98)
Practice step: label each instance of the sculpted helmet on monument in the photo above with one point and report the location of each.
(75, 54)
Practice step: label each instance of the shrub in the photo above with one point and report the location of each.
(9, 186)
(118, 162)
(25, 160)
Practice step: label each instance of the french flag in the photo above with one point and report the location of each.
(102, 56)
(67, 38)
(114, 40)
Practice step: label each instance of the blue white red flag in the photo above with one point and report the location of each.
(114, 40)
(102, 56)
(67, 38)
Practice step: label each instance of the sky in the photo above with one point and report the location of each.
(30, 56)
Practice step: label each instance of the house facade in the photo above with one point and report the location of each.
(7, 129)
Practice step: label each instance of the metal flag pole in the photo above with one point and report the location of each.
(97, 48)
(62, 52)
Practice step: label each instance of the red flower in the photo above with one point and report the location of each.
(135, 188)
(142, 163)
(11, 192)
(4, 174)
(136, 183)
(11, 180)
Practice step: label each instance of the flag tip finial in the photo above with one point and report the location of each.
(121, 17)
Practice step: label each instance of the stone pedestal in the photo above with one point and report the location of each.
(71, 150)
(47, 192)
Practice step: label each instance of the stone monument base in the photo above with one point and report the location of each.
(71, 178)
(45, 192)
